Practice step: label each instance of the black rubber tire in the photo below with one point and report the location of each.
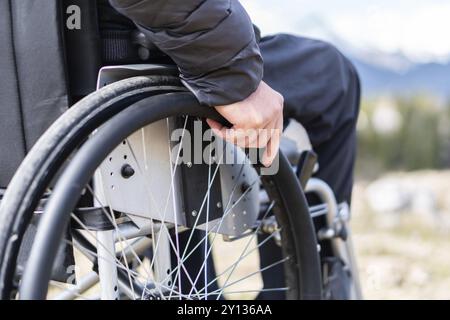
(303, 272)
(52, 149)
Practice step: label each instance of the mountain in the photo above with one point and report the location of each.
(383, 72)
(431, 78)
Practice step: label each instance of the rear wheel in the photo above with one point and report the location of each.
(146, 257)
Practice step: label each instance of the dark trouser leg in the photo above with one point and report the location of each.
(321, 90)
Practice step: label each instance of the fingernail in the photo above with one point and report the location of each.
(266, 162)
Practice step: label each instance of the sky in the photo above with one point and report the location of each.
(420, 29)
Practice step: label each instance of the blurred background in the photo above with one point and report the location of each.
(401, 203)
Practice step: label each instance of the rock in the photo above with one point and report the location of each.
(387, 195)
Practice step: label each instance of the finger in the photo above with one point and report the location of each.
(271, 151)
(254, 138)
(264, 135)
(218, 129)
(225, 133)
(238, 137)
(249, 139)
(273, 145)
(214, 124)
(242, 137)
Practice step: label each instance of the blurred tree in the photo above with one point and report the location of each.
(403, 133)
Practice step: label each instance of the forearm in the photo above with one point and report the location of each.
(211, 41)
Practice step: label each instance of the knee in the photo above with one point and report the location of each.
(329, 87)
(328, 66)
(344, 84)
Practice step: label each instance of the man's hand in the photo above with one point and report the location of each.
(257, 122)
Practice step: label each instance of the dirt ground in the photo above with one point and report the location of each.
(404, 254)
(401, 255)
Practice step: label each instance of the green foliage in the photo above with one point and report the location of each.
(417, 134)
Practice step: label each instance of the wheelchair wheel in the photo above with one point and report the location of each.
(95, 155)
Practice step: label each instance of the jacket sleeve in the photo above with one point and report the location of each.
(212, 42)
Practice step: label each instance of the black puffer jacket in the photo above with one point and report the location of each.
(212, 42)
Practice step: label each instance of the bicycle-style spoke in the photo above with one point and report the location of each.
(240, 292)
(205, 240)
(112, 219)
(162, 216)
(134, 274)
(172, 184)
(247, 245)
(221, 290)
(225, 271)
(112, 255)
(207, 234)
(216, 227)
(64, 287)
(204, 202)
(123, 240)
(246, 252)
(169, 285)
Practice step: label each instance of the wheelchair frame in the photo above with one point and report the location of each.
(335, 217)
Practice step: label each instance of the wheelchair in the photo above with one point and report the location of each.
(111, 204)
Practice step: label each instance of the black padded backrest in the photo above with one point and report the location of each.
(82, 49)
(12, 144)
(32, 77)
